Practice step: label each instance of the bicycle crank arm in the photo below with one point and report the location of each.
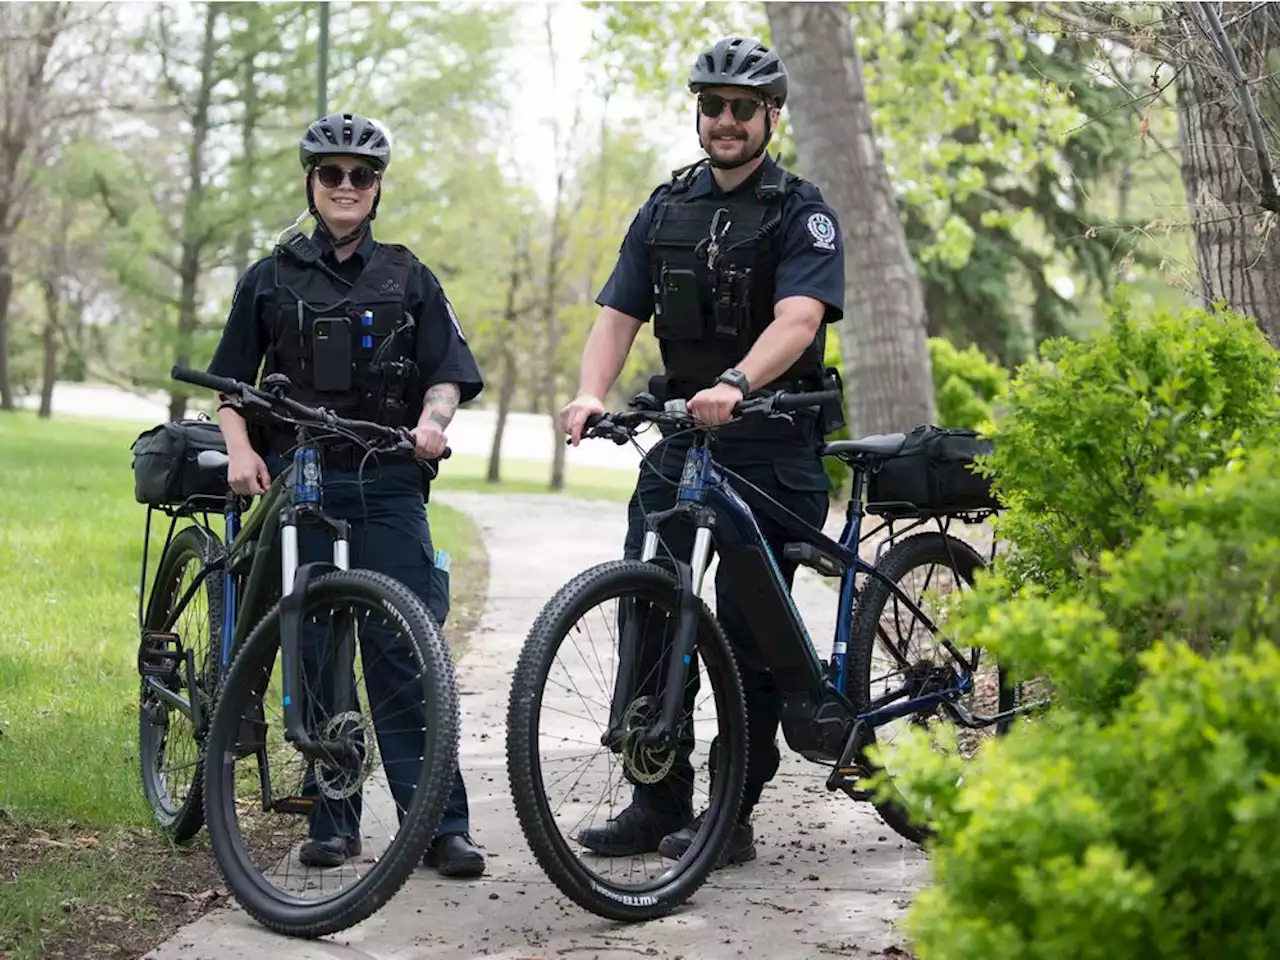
(846, 770)
(174, 700)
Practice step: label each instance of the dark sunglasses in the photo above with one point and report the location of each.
(331, 175)
(744, 108)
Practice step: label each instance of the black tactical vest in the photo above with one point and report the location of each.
(713, 262)
(371, 376)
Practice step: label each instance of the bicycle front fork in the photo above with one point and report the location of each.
(689, 578)
(294, 578)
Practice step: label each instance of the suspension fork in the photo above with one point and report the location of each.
(689, 577)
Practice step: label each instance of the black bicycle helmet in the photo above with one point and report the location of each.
(741, 62)
(345, 135)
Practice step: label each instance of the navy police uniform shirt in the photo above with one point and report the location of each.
(442, 354)
(811, 261)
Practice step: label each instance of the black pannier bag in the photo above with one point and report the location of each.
(932, 475)
(165, 470)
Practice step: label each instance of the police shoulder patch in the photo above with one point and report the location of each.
(823, 231)
(457, 327)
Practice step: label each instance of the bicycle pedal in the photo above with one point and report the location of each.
(302, 806)
(160, 654)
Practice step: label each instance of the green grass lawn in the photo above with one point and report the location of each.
(70, 550)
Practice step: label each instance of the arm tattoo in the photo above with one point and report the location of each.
(441, 402)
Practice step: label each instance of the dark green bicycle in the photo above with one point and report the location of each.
(249, 716)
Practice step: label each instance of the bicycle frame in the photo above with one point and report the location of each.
(817, 713)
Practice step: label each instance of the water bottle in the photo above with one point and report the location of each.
(306, 475)
(366, 320)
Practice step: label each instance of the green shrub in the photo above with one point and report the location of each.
(1203, 570)
(1157, 836)
(965, 384)
(1091, 429)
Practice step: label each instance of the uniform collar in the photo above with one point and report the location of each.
(704, 184)
(364, 246)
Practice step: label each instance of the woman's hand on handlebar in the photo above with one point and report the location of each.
(573, 417)
(247, 472)
(429, 440)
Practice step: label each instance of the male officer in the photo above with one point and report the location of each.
(365, 329)
(748, 267)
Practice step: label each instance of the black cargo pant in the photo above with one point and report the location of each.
(796, 480)
(390, 535)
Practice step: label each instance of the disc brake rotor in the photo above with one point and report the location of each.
(643, 762)
(342, 782)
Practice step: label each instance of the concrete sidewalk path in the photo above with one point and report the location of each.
(830, 880)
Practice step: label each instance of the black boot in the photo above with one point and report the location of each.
(634, 830)
(740, 847)
(455, 855)
(332, 852)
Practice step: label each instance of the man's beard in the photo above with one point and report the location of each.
(744, 154)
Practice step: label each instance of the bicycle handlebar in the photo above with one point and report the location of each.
(621, 427)
(253, 398)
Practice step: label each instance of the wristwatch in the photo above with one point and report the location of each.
(735, 378)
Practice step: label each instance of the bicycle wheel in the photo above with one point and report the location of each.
(169, 749)
(647, 593)
(883, 661)
(261, 836)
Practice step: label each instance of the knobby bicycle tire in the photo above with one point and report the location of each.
(271, 907)
(595, 585)
(905, 555)
(184, 821)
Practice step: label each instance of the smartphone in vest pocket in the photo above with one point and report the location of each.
(331, 354)
(681, 317)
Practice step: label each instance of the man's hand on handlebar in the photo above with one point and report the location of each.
(715, 405)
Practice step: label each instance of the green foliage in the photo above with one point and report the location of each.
(1092, 428)
(1154, 836)
(965, 384)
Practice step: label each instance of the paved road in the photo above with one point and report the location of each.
(830, 880)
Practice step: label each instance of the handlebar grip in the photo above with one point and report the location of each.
(794, 401)
(202, 379)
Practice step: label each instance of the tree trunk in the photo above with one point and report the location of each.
(883, 346)
(509, 377)
(6, 292)
(193, 237)
(50, 291)
(24, 84)
(1236, 255)
(248, 142)
(506, 392)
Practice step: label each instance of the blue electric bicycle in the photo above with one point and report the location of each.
(661, 637)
